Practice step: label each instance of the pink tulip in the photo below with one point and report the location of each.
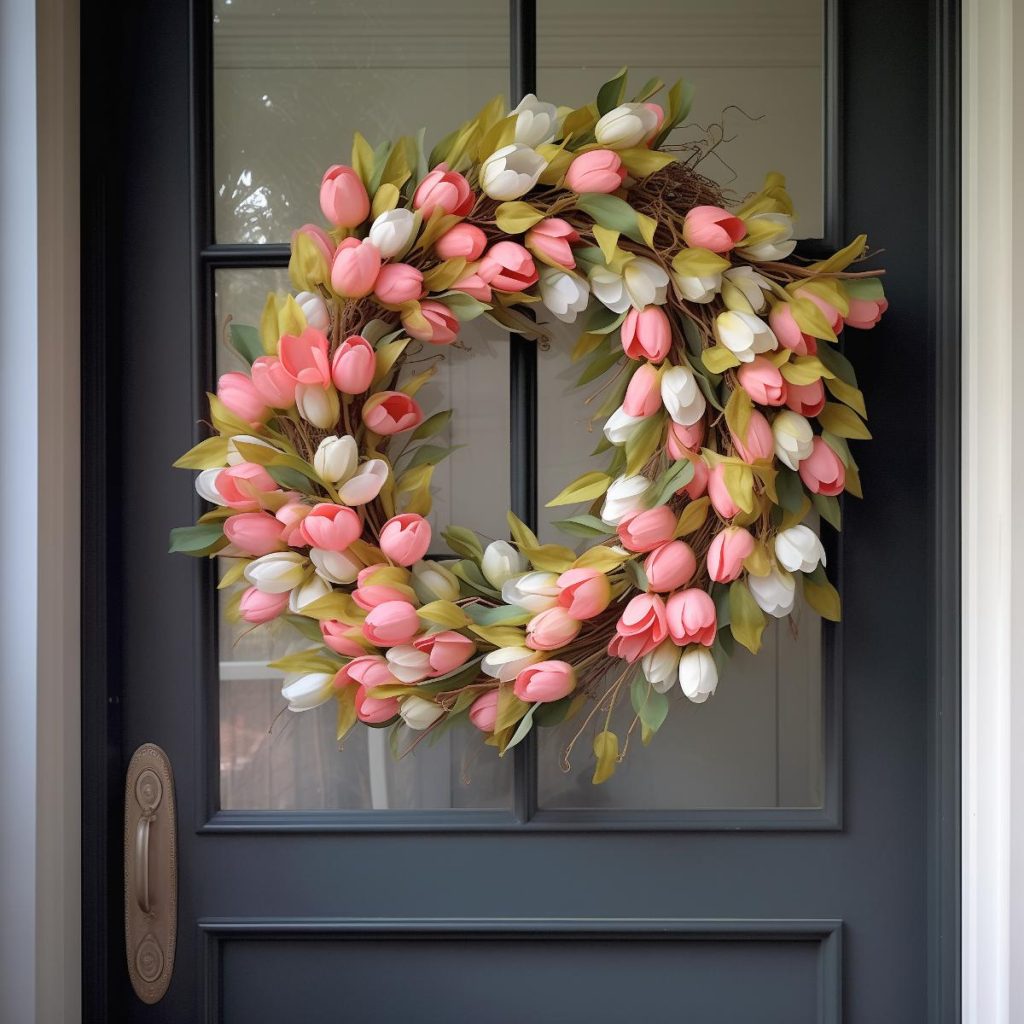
(483, 712)
(647, 334)
(257, 607)
(367, 670)
(600, 170)
(692, 618)
(806, 399)
(474, 285)
(508, 267)
(462, 242)
(373, 594)
(832, 315)
(353, 366)
(865, 313)
(341, 638)
(670, 566)
(785, 328)
(447, 651)
(641, 627)
(397, 283)
(552, 240)
(241, 397)
(544, 682)
(759, 443)
(442, 324)
(762, 381)
(645, 531)
(405, 538)
(550, 629)
(445, 190)
(243, 485)
(391, 623)
(643, 396)
(698, 484)
(304, 358)
(374, 710)
(290, 516)
(685, 439)
(584, 592)
(331, 527)
(355, 269)
(343, 197)
(822, 471)
(391, 412)
(711, 227)
(275, 385)
(721, 499)
(727, 552)
(660, 115)
(255, 533)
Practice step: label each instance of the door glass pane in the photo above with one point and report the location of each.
(292, 761)
(756, 66)
(293, 79)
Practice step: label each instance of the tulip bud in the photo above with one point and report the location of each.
(550, 629)
(626, 127)
(548, 681)
(823, 472)
(698, 674)
(692, 617)
(584, 592)
(277, 573)
(641, 627)
(392, 232)
(308, 591)
(661, 666)
(620, 426)
(625, 494)
(365, 484)
(308, 691)
(565, 294)
(536, 121)
(336, 458)
(405, 538)
(483, 712)
(343, 197)
(533, 591)
(506, 663)
(419, 714)
(432, 581)
(775, 593)
(712, 228)
(501, 562)
(335, 566)
(744, 334)
(508, 267)
(681, 395)
(797, 549)
(318, 405)
(727, 553)
(445, 190)
(511, 172)
(599, 170)
(314, 309)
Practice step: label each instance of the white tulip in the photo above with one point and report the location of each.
(408, 664)
(433, 581)
(235, 457)
(419, 714)
(793, 436)
(619, 427)
(365, 484)
(625, 494)
(501, 562)
(641, 283)
(661, 666)
(335, 566)
(511, 172)
(336, 458)
(318, 405)
(314, 309)
(206, 486)
(506, 663)
(278, 572)
(307, 592)
(773, 246)
(695, 288)
(774, 593)
(626, 126)
(392, 231)
(744, 334)
(565, 294)
(799, 549)
(682, 396)
(309, 691)
(744, 289)
(537, 122)
(698, 674)
(533, 591)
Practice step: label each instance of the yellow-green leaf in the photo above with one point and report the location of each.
(346, 698)
(693, 517)
(602, 558)
(737, 413)
(746, 619)
(444, 613)
(802, 370)
(843, 421)
(842, 259)
(823, 598)
(698, 262)
(608, 240)
(517, 218)
(810, 319)
(335, 605)
(384, 199)
(521, 533)
(852, 396)
(549, 557)
(584, 488)
(641, 161)
(209, 454)
(718, 359)
(606, 752)
(362, 158)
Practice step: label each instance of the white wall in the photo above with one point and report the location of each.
(40, 926)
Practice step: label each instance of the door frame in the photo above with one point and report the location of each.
(101, 783)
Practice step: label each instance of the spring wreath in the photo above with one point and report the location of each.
(726, 403)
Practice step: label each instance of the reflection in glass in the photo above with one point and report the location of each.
(756, 67)
(285, 761)
(293, 81)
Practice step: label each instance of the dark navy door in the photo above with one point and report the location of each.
(775, 856)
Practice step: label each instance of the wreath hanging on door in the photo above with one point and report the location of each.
(726, 403)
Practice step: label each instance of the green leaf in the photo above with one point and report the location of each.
(584, 526)
(557, 711)
(609, 96)
(430, 455)
(315, 659)
(678, 475)
(463, 542)
(823, 598)
(866, 288)
(843, 422)
(612, 213)
(837, 363)
(601, 319)
(718, 359)
(503, 615)
(827, 506)
(432, 425)
(464, 306)
(584, 488)
(651, 707)
(789, 489)
(746, 620)
(245, 340)
(644, 442)
(264, 456)
(525, 724)
(197, 540)
(209, 454)
(606, 752)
